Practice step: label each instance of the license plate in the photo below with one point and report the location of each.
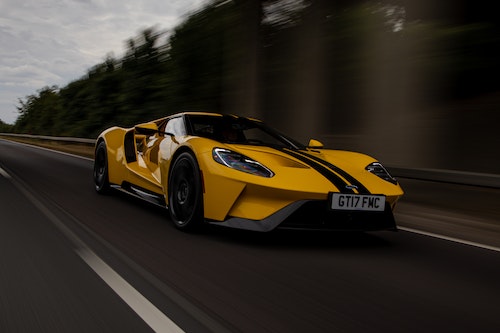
(341, 201)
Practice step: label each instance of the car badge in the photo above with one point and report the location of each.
(351, 187)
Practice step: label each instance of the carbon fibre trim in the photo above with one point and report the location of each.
(140, 193)
(264, 225)
(315, 215)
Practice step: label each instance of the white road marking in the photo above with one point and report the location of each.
(451, 239)
(4, 173)
(151, 315)
(158, 321)
(144, 308)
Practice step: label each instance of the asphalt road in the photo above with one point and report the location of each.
(55, 230)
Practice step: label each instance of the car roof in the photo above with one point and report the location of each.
(197, 113)
(202, 113)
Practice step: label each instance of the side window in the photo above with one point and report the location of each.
(176, 126)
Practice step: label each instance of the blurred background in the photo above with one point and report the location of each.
(414, 83)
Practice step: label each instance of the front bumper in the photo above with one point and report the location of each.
(315, 215)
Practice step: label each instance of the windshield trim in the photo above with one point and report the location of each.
(286, 142)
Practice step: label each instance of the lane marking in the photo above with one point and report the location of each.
(197, 313)
(140, 304)
(151, 315)
(4, 173)
(451, 239)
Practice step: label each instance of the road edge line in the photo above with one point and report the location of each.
(150, 314)
(451, 239)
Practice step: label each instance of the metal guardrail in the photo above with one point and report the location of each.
(51, 138)
(434, 175)
(448, 176)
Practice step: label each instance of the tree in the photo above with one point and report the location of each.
(38, 111)
(4, 127)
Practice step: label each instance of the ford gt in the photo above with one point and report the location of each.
(233, 171)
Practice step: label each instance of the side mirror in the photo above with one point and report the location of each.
(146, 129)
(315, 144)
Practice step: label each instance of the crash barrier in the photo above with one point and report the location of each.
(50, 138)
(433, 175)
(448, 176)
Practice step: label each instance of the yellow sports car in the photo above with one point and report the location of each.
(237, 172)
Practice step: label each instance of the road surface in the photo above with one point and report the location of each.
(75, 261)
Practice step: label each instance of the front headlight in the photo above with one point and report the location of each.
(240, 162)
(378, 169)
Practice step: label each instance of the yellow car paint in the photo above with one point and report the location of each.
(229, 193)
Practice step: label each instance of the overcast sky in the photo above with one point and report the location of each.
(53, 42)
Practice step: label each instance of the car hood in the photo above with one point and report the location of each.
(352, 163)
(289, 157)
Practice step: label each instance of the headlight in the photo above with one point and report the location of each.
(240, 162)
(378, 169)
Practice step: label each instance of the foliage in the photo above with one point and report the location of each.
(267, 54)
(38, 112)
(5, 128)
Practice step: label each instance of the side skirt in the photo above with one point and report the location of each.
(141, 193)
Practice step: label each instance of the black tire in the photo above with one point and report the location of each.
(101, 179)
(185, 197)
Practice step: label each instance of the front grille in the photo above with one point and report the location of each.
(317, 215)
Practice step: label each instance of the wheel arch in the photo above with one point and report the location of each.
(114, 139)
(178, 152)
(183, 149)
(98, 142)
(198, 216)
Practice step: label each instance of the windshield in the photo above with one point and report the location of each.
(228, 129)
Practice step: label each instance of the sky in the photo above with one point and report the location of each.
(54, 42)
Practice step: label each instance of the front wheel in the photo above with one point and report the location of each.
(185, 197)
(101, 179)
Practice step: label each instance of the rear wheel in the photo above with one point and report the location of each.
(101, 179)
(185, 197)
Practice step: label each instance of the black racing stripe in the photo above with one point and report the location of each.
(328, 174)
(361, 188)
